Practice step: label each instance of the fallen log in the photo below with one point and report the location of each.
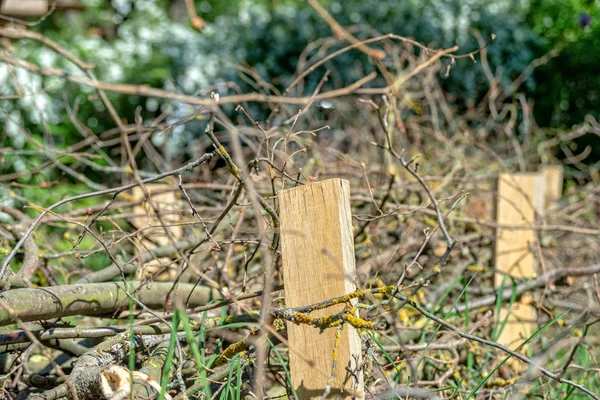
(36, 304)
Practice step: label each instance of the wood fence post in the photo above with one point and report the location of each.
(554, 184)
(24, 8)
(150, 227)
(519, 197)
(318, 263)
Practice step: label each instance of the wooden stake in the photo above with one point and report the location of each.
(24, 8)
(518, 199)
(318, 263)
(150, 227)
(553, 175)
(539, 194)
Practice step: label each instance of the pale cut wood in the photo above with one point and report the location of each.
(317, 246)
(152, 233)
(518, 198)
(539, 194)
(553, 175)
(24, 8)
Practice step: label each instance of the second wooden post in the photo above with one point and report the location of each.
(318, 263)
(519, 197)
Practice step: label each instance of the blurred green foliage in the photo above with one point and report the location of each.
(152, 42)
(568, 87)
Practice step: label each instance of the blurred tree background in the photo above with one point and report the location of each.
(152, 42)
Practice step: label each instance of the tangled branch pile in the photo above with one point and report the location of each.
(126, 271)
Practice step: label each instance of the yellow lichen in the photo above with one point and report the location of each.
(336, 346)
(301, 318)
(359, 323)
(403, 316)
(386, 290)
(326, 322)
(231, 351)
(477, 268)
(500, 382)
(278, 324)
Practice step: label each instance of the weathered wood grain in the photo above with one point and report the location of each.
(318, 264)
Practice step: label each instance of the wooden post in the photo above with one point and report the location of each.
(318, 263)
(24, 8)
(539, 194)
(150, 227)
(553, 175)
(518, 199)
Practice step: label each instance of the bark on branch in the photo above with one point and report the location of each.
(94, 299)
